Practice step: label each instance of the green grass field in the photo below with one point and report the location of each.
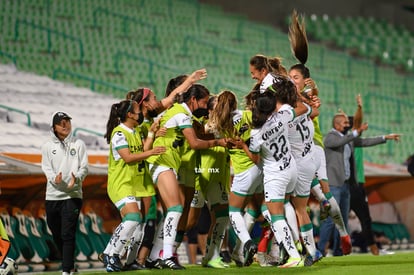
(367, 264)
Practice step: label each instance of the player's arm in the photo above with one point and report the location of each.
(358, 116)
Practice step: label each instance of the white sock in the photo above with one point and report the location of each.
(306, 231)
(290, 215)
(239, 226)
(266, 215)
(284, 235)
(318, 193)
(170, 231)
(158, 242)
(249, 220)
(217, 237)
(336, 216)
(132, 249)
(274, 248)
(121, 236)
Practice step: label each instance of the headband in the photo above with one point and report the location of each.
(144, 95)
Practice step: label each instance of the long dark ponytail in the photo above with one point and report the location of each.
(117, 115)
(299, 43)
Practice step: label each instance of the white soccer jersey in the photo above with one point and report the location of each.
(272, 142)
(301, 131)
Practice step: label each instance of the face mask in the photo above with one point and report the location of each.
(152, 113)
(200, 112)
(140, 118)
(346, 129)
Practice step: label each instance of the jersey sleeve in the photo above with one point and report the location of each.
(180, 120)
(254, 146)
(286, 115)
(119, 141)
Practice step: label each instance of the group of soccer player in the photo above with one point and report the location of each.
(180, 150)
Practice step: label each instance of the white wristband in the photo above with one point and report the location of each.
(150, 135)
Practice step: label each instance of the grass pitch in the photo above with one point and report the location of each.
(367, 264)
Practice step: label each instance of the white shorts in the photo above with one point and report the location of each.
(248, 182)
(319, 154)
(276, 187)
(155, 170)
(306, 168)
(121, 203)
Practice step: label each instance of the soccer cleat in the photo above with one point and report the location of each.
(237, 258)
(153, 264)
(114, 264)
(103, 258)
(309, 260)
(225, 255)
(170, 263)
(293, 262)
(133, 266)
(217, 263)
(265, 260)
(346, 245)
(249, 249)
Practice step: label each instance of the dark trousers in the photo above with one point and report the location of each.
(62, 219)
(359, 204)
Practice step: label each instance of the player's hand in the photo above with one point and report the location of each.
(158, 150)
(58, 178)
(198, 75)
(359, 100)
(72, 181)
(395, 137)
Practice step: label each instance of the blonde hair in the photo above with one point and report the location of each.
(222, 115)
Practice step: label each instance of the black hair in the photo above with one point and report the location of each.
(284, 90)
(174, 83)
(197, 90)
(299, 43)
(264, 106)
(117, 115)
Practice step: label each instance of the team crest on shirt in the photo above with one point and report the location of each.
(72, 152)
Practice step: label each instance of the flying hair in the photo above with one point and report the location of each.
(297, 37)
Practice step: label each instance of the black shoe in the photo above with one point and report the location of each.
(225, 256)
(249, 249)
(103, 258)
(114, 264)
(133, 266)
(153, 264)
(170, 263)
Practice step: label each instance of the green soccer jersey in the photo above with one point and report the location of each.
(214, 168)
(175, 119)
(317, 136)
(124, 178)
(147, 189)
(242, 121)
